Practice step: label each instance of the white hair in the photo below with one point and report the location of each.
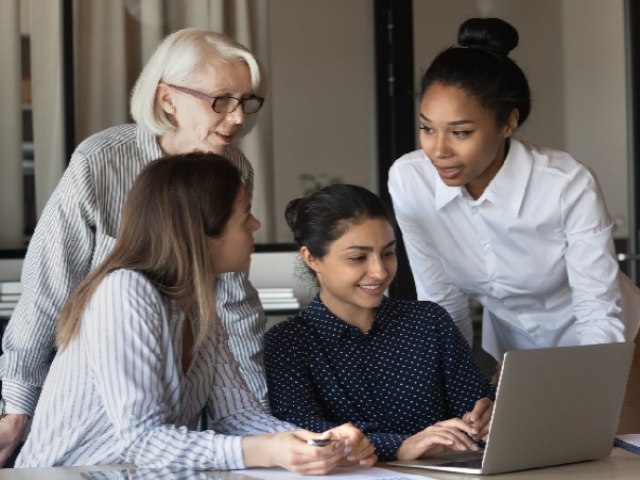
(175, 61)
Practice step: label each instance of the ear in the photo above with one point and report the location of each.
(511, 125)
(164, 98)
(310, 261)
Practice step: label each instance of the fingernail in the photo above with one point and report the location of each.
(347, 450)
(351, 458)
(347, 442)
(364, 462)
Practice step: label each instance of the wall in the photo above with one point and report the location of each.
(322, 93)
(595, 100)
(573, 54)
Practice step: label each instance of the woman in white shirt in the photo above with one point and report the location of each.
(142, 350)
(522, 229)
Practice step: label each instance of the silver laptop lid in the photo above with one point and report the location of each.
(557, 405)
(553, 406)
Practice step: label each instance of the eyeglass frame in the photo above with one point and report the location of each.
(212, 100)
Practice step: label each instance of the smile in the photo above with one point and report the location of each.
(373, 289)
(226, 136)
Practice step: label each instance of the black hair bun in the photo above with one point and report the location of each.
(491, 34)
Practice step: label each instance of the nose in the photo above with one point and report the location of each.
(236, 116)
(256, 224)
(377, 268)
(437, 146)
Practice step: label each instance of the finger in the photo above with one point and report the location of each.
(318, 466)
(480, 409)
(457, 423)
(357, 456)
(369, 461)
(457, 439)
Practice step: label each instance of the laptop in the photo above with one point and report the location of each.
(553, 406)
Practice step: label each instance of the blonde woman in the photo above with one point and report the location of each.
(141, 351)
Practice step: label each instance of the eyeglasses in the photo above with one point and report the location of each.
(226, 103)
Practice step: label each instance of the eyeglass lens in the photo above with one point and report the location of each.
(229, 104)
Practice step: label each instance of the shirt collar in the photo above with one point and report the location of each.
(331, 328)
(507, 188)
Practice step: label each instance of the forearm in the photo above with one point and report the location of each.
(169, 445)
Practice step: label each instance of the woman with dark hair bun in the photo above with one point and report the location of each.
(399, 371)
(522, 229)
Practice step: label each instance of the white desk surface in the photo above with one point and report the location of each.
(620, 465)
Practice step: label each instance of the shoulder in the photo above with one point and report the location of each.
(411, 161)
(421, 313)
(128, 288)
(125, 304)
(294, 329)
(106, 140)
(552, 164)
(412, 178)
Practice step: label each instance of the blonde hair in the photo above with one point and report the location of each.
(176, 60)
(175, 203)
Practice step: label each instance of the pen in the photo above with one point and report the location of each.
(320, 442)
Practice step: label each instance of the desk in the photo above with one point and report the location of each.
(620, 465)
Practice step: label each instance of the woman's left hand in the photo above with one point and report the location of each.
(356, 445)
(480, 417)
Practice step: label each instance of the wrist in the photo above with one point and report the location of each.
(256, 450)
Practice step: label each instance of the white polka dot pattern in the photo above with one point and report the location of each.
(412, 369)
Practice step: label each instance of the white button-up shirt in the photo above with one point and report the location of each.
(536, 250)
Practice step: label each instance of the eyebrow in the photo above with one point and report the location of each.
(367, 248)
(453, 123)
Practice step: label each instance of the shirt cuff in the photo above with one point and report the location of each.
(235, 459)
(19, 398)
(386, 444)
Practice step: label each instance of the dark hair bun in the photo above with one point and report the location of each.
(491, 34)
(291, 213)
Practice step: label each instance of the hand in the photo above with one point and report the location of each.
(291, 451)
(12, 428)
(480, 417)
(446, 435)
(357, 448)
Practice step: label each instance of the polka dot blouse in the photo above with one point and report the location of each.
(410, 370)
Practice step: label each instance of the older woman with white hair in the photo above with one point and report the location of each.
(199, 91)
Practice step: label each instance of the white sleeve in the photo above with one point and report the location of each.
(126, 330)
(591, 264)
(232, 407)
(58, 258)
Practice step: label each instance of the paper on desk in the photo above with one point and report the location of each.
(346, 473)
(630, 442)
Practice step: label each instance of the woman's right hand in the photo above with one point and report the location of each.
(446, 435)
(291, 451)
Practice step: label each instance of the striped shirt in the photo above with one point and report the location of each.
(77, 229)
(118, 393)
